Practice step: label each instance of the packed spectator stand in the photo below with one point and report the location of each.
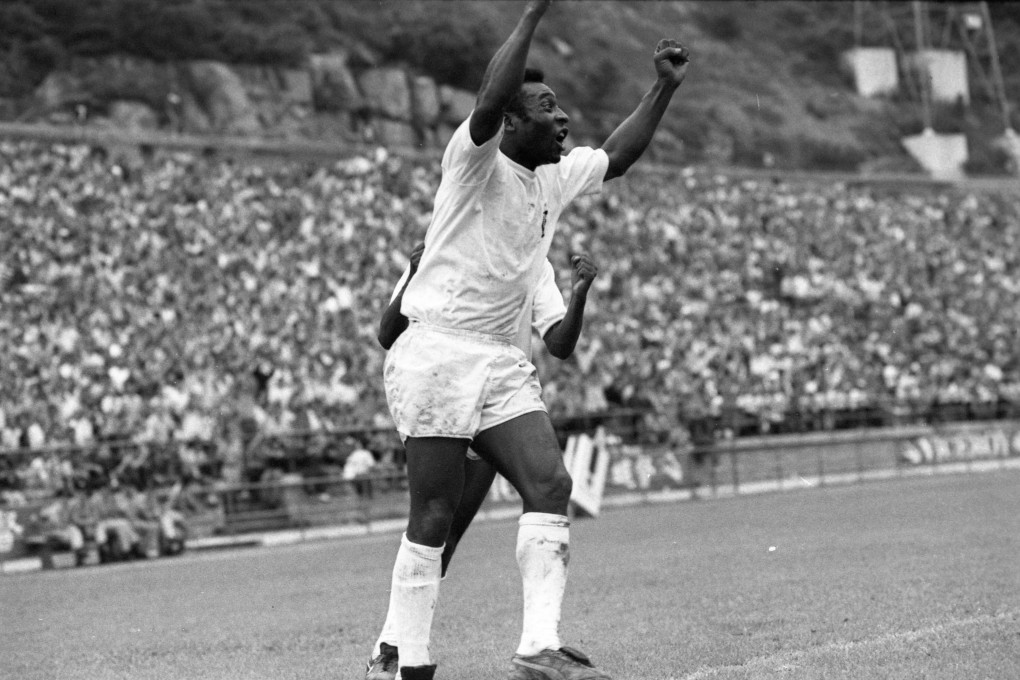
(183, 320)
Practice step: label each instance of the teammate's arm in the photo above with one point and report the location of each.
(626, 144)
(393, 323)
(561, 339)
(504, 75)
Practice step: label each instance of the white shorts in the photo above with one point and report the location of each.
(443, 382)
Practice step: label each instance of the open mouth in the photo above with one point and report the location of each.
(561, 137)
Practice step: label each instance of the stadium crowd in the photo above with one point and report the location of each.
(182, 297)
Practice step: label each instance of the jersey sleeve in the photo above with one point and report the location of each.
(400, 283)
(547, 308)
(580, 173)
(468, 164)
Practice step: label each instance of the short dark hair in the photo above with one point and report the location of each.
(516, 105)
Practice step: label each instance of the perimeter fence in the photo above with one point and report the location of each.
(634, 470)
(653, 471)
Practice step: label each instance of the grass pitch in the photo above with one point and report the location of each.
(912, 578)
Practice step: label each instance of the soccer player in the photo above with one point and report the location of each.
(559, 327)
(455, 376)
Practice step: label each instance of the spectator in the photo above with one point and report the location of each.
(357, 469)
(58, 530)
(115, 532)
(135, 306)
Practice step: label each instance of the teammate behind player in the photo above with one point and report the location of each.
(457, 375)
(559, 327)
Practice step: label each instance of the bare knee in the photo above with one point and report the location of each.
(435, 475)
(429, 521)
(550, 494)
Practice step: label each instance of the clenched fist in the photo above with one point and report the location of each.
(585, 272)
(671, 60)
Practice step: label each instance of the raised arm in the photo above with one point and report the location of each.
(504, 75)
(393, 323)
(626, 144)
(561, 339)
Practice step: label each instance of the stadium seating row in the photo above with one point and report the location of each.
(195, 298)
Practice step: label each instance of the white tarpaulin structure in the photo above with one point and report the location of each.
(874, 70)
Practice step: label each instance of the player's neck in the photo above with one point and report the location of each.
(514, 153)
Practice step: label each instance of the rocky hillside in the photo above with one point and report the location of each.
(765, 85)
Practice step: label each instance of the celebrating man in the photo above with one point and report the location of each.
(457, 376)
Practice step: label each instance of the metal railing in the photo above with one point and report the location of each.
(291, 502)
(778, 463)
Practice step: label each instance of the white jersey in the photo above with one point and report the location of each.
(544, 309)
(492, 225)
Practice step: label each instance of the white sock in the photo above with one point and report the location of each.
(543, 551)
(414, 591)
(389, 630)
